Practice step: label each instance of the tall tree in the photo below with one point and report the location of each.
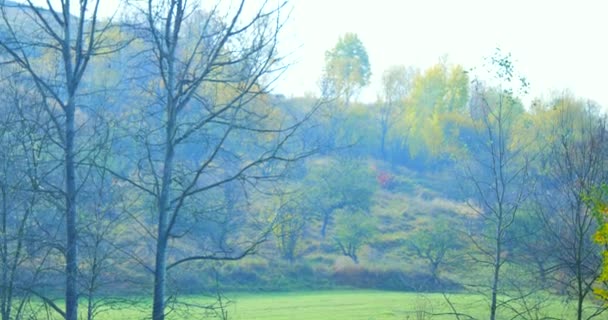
(435, 110)
(334, 186)
(498, 173)
(397, 83)
(574, 159)
(347, 68)
(68, 41)
(206, 129)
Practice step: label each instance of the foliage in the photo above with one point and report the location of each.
(436, 245)
(354, 228)
(347, 68)
(191, 159)
(438, 98)
(289, 227)
(572, 163)
(343, 184)
(397, 82)
(597, 200)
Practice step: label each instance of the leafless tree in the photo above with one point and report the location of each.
(498, 175)
(16, 202)
(53, 46)
(206, 126)
(24, 245)
(575, 163)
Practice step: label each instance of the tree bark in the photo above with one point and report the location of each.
(71, 258)
(325, 223)
(160, 271)
(496, 275)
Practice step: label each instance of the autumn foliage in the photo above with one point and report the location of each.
(600, 207)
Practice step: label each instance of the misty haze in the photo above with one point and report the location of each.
(250, 159)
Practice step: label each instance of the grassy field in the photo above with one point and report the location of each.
(337, 305)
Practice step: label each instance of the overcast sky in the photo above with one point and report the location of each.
(557, 45)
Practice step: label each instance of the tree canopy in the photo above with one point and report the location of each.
(347, 68)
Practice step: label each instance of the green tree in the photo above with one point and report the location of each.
(354, 228)
(435, 111)
(434, 244)
(341, 184)
(596, 199)
(397, 83)
(291, 219)
(347, 68)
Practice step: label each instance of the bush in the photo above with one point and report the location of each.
(389, 279)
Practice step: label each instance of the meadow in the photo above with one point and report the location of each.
(343, 305)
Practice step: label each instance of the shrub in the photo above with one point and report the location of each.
(389, 279)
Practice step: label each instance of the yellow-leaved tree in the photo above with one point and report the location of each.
(347, 68)
(435, 109)
(596, 199)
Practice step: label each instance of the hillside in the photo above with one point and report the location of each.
(147, 156)
(411, 204)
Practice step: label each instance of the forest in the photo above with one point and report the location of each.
(146, 160)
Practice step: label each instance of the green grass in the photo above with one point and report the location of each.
(335, 305)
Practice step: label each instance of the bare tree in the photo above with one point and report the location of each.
(575, 162)
(26, 244)
(498, 174)
(16, 199)
(38, 39)
(206, 125)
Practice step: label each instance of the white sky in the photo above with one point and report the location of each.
(556, 44)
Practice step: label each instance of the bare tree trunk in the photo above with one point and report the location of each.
(326, 216)
(160, 270)
(5, 288)
(160, 275)
(496, 275)
(581, 289)
(384, 133)
(71, 268)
